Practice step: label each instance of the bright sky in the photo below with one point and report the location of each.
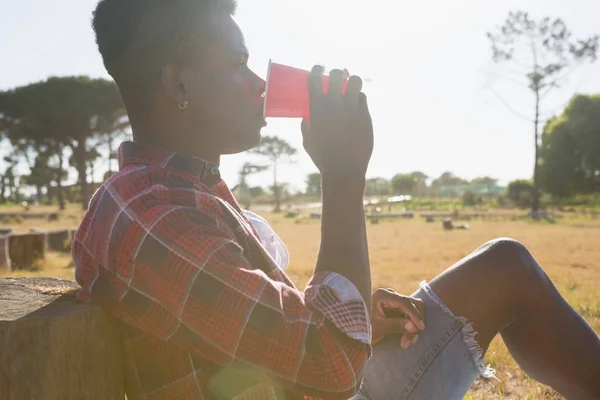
(429, 62)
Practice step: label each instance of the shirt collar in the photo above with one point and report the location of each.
(131, 153)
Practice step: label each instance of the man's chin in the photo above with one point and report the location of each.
(248, 142)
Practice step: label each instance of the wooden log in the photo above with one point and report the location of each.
(5, 264)
(55, 348)
(447, 224)
(379, 217)
(26, 248)
(59, 240)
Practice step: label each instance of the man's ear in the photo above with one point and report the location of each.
(173, 82)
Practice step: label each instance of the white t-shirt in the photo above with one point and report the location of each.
(270, 240)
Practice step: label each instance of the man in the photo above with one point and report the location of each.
(206, 311)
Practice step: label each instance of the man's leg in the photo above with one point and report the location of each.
(500, 288)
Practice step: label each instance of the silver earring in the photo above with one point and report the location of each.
(185, 105)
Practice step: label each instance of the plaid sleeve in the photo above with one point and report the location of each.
(335, 297)
(177, 273)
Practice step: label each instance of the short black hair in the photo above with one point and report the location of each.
(137, 37)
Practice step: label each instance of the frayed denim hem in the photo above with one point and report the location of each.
(468, 334)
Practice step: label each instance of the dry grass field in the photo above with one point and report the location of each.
(405, 252)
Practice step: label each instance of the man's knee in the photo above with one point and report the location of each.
(507, 246)
(514, 260)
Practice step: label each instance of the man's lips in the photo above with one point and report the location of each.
(262, 118)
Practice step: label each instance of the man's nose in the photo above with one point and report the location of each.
(260, 85)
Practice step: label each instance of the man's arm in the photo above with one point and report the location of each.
(344, 248)
(339, 139)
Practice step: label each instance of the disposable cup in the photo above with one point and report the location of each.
(286, 93)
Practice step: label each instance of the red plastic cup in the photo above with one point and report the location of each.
(286, 93)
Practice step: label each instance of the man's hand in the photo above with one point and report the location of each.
(339, 135)
(393, 313)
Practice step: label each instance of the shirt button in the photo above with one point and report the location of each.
(214, 170)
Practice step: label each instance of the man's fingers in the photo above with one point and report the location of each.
(305, 129)
(391, 326)
(353, 91)
(415, 316)
(404, 342)
(405, 306)
(420, 307)
(315, 86)
(336, 77)
(409, 339)
(363, 105)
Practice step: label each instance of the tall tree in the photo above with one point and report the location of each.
(448, 179)
(404, 183)
(110, 129)
(275, 150)
(552, 56)
(66, 112)
(570, 149)
(485, 180)
(521, 193)
(28, 114)
(9, 178)
(41, 175)
(313, 184)
(420, 178)
(377, 187)
(245, 192)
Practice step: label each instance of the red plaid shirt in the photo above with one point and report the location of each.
(206, 312)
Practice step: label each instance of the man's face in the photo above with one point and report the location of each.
(225, 95)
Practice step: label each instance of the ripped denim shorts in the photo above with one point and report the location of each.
(442, 365)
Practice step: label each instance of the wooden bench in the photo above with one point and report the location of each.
(55, 348)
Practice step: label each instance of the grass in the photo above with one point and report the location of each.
(69, 218)
(403, 253)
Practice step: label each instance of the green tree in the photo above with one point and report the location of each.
(41, 174)
(448, 179)
(470, 198)
(12, 154)
(421, 188)
(404, 184)
(91, 157)
(243, 188)
(485, 180)
(520, 192)
(9, 179)
(313, 184)
(570, 150)
(276, 150)
(257, 191)
(111, 129)
(377, 187)
(552, 55)
(64, 112)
